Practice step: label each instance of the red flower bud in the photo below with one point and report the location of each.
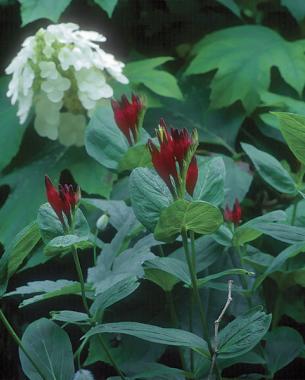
(192, 176)
(63, 201)
(127, 116)
(171, 157)
(233, 215)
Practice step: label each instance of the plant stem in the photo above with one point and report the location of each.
(197, 298)
(294, 213)
(19, 343)
(81, 280)
(173, 314)
(95, 247)
(85, 303)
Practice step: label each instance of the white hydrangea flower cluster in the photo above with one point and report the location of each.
(63, 72)
(83, 374)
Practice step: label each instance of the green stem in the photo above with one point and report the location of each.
(85, 303)
(173, 314)
(294, 213)
(192, 235)
(81, 280)
(197, 298)
(16, 338)
(95, 247)
(191, 330)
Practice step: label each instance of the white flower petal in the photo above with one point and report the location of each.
(72, 129)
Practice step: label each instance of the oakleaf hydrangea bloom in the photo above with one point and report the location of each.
(83, 374)
(63, 73)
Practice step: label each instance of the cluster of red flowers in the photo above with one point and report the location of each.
(174, 161)
(63, 200)
(127, 116)
(233, 215)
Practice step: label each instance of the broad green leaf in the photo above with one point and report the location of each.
(11, 132)
(283, 345)
(280, 260)
(168, 265)
(45, 290)
(253, 229)
(223, 236)
(165, 280)
(210, 183)
(104, 141)
(136, 156)
(66, 243)
(32, 10)
(296, 8)
(271, 170)
(91, 176)
(149, 196)
(107, 5)
(154, 334)
(114, 294)
(69, 316)
(244, 64)
(115, 265)
(237, 181)
(158, 371)
(293, 129)
(158, 81)
(22, 246)
(51, 227)
(50, 347)
(200, 217)
(225, 273)
(243, 333)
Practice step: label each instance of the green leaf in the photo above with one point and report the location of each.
(280, 260)
(107, 5)
(255, 227)
(48, 290)
(244, 64)
(115, 265)
(51, 227)
(210, 183)
(114, 294)
(243, 333)
(32, 10)
(22, 246)
(158, 81)
(237, 182)
(293, 129)
(92, 177)
(225, 273)
(11, 132)
(271, 170)
(165, 266)
(154, 334)
(296, 8)
(69, 316)
(104, 141)
(283, 345)
(66, 243)
(50, 348)
(136, 156)
(149, 196)
(200, 217)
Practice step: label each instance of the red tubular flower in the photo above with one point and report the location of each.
(233, 215)
(63, 201)
(176, 150)
(127, 116)
(192, 176)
